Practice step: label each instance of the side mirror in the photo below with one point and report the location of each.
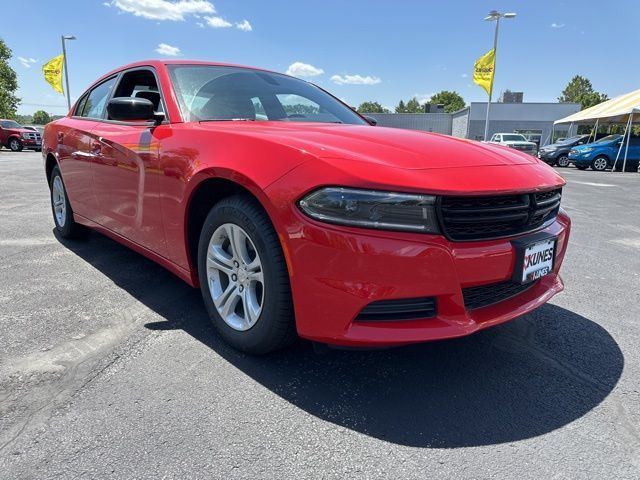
(129, 109)
(372, 121)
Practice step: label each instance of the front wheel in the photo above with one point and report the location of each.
(66, 226)
(563, 161)
(599, 164)
(15, 145)
(244, 278)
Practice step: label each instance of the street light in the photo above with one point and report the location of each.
(494, 15)
(66, 69)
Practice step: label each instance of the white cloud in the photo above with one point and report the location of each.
(26, 62)
(245, 26)
(217, 22)
(200, 24)
(164, 9)
(165, 49)
(355, 80)
(557, 25)
(299, 69)
(423, 97)
(106, 4)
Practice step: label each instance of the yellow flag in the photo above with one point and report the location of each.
(483, 70)
(53, 72)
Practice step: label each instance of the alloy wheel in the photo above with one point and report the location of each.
(563, 161)
(14, 145)
(59, 201)
(599, 164)
(235, 277)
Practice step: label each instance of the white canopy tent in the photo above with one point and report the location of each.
(618, 110)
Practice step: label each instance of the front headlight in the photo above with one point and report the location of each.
(585, 150)
(372, 209)
(25, 135)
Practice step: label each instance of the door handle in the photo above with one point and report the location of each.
(60, 137)
(96, 147)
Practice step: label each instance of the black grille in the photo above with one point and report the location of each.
(486, 217)
(395, 310)
(484, 295)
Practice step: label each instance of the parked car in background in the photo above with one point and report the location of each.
(558, 153)
(601, 154)
(15, 137)
(295, 216)
(515, 141)
(35, 128)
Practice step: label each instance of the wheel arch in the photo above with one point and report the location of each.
(49, 164)
(209, 188)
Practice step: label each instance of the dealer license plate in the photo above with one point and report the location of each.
(535, 260)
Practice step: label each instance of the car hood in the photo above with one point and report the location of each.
(519, 143)
(391, 147)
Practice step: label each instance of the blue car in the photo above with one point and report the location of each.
(602, 153)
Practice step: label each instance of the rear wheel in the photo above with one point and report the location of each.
(15, 145)
(563, 161)
(244, 278)
(600, 164)
(66, 226)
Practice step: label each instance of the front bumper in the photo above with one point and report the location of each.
(547, 157)
(30, 143)
(336, 271)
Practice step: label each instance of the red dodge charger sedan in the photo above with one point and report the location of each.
(296, 216)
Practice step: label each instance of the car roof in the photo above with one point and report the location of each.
(160, 63)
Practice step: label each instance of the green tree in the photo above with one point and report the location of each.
(413, 106)
(41, 117)
(8, 84)
(23, 119)
(579, 90)
(401, 107)
(452, 101)
(372, 107)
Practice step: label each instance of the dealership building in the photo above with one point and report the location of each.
(535, 120)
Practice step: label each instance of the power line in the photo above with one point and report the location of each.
(41, 105)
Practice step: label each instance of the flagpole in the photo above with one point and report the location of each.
(66, 69)
(494, 15)
(495, 60)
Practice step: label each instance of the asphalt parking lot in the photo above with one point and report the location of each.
(108, 369)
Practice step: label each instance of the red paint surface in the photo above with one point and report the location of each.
(139, 189)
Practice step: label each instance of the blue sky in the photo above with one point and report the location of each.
(359, 50)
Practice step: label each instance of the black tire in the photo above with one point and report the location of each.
(15, 145)
(275, 326)
(68, 228)
(562, 161)
(598, 164)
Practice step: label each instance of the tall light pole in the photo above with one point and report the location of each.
(494, 15)
(66, 69)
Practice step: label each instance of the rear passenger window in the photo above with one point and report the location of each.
(96, 102)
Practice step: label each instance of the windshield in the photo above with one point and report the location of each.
(219, 93)
(608, 138)
(513, 138)
(9, 124)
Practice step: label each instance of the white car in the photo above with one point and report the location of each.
(516, 141)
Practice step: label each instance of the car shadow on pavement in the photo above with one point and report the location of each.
(514, 381)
